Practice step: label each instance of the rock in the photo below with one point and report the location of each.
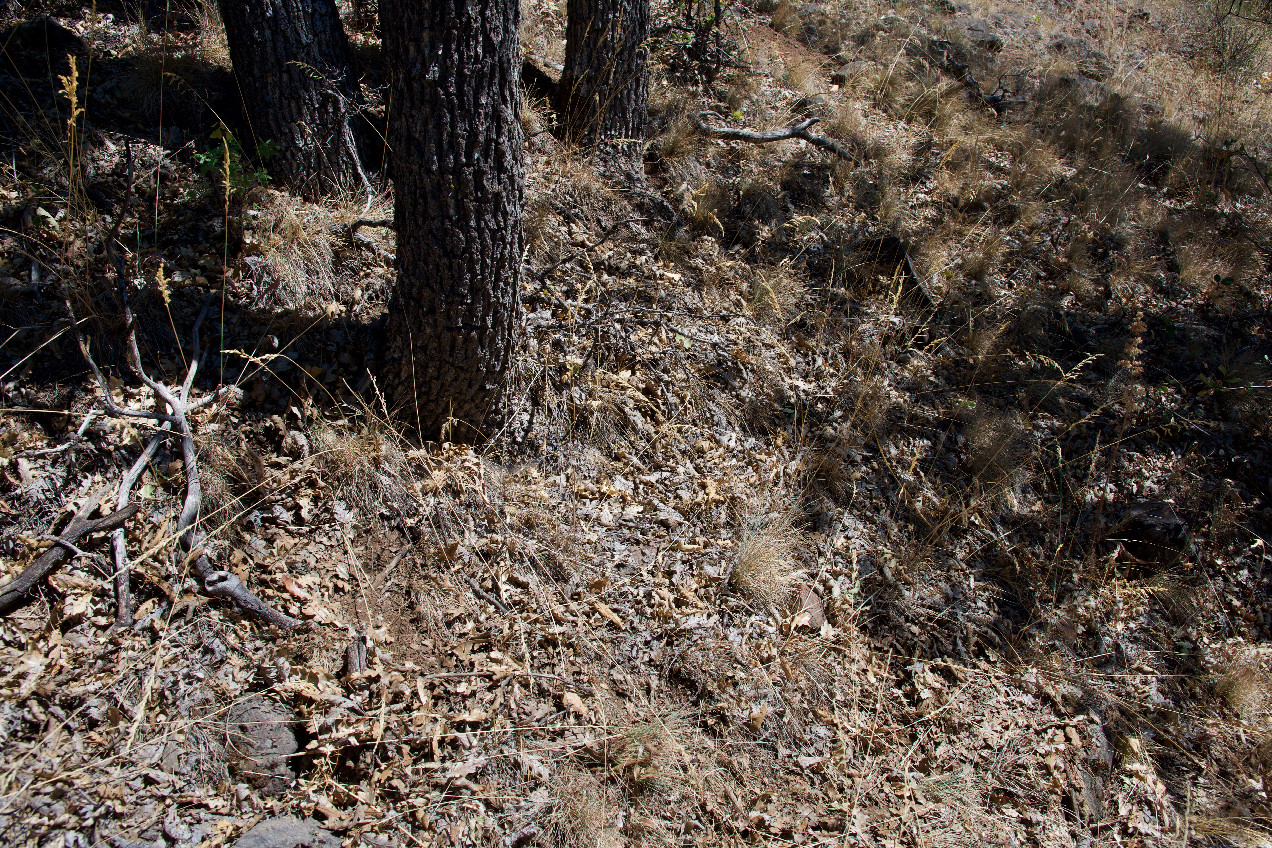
(1090, 62)
(980, 34)
(812, 613)
(1082, 92)
(295, 445)
(849, 72)
(1153, 534)
(895, 24)
(287, 832)
(814, 105)
(44, 36)
(262, 743)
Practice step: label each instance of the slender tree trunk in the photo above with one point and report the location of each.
(456, 162)
(604, 91)
(291, 59)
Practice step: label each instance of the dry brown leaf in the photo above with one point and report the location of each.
(574, 703)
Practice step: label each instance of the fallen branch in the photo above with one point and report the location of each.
(14, 593)
(175, 423)
(357, 239)
(799, 131)
(191, 538)
(370, 222)
(123, 586)
(943, 53)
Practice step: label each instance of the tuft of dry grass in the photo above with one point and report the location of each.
(297, 243)
(804, 76)
(1245, 687)
(651, 756)
(994, 445)
(584, 814)
(366, 462)
(775, 290)
(765, 569)
(213, 46)
(786, 18)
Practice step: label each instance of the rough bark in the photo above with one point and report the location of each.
(456, 163)
(291, 58)
(603, 95)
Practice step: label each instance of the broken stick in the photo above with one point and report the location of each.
(14, 593)
(799, 131)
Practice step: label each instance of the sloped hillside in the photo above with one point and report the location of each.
(917, 495)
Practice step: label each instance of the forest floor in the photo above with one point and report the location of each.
(919, 499)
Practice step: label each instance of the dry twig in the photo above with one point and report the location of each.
(16, 590)
(799, 131)
(175, 422)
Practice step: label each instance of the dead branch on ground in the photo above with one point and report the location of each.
(799, 131)
(174, 423)
(943, 55)
(16, 590)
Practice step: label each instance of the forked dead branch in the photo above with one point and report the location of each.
(173, 423)
(799, 130)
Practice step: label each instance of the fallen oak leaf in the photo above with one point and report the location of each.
(608, 613)
(294, 588)
(574, 703)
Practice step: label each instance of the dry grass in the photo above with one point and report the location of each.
(765, 569)
(364, 461)
(584, 814)
(804, 75)
(213, 46)
(994, 444)
(297, 243)
(651, 756)
(1245, 686)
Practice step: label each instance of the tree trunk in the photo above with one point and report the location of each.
(604, 91)
(456, 163)
(291, 59)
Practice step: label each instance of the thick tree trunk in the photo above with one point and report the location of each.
(291, 59)
(604, 92)
(456, 163)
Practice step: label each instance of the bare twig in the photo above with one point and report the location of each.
(369, 222)
(176, 423)
(74, 440)
(13, 594)
(943, 53)
(359, 240)
(123, 587)
(486, 596)
(799, 131)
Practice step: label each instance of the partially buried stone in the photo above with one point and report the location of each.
(262, 743)
(287, 832)
(1153, 533)
(981, 34)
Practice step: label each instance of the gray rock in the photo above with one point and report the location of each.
(980, 34)
(1153, 534)
(848, 72)
(262, 743)
(1091, 62)
(814, 105)
(44, 36)
(287, 832)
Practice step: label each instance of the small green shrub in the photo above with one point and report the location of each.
(226, 164)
